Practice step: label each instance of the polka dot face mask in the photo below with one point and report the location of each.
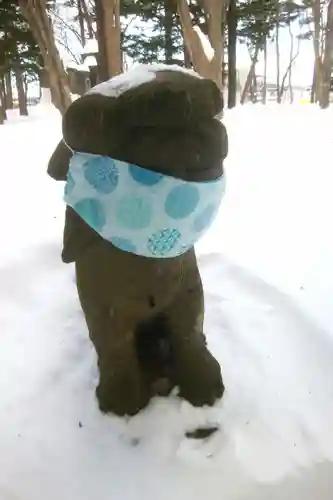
(140, 211)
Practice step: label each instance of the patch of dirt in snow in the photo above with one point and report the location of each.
(275, 438)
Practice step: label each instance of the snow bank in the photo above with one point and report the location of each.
(267, 271)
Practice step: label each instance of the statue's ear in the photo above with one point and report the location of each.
(171, 100)
(90, 124)
(59, 162)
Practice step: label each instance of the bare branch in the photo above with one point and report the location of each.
(87, 18)
(64, 44)
(289, 67)
(128, 25)
(68, 26)
(206, 53)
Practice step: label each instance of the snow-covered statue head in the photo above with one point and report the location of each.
(142, 157)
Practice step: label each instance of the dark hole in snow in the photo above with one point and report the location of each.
(202, 432)
(135, 441)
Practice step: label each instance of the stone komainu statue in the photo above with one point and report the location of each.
(142, 156)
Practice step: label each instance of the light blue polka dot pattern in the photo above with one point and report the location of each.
(160, 244)
(139, 211)
(143, 176)
(92, 211)
(205, 218)
(69, 186)
(102, 174)
(134, 212)
(123, 244)
(182, 201)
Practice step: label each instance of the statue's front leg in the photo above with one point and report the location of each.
(123, 388)
(196, 371)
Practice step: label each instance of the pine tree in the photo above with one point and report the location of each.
(20, 54)
(159, 38)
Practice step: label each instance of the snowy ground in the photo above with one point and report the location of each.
(267, 266)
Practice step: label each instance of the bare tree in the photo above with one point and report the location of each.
(251, 74)
(109, 38)
(64, 27)
(264, 87)
(288, 72)
(327, 60)
(84, 18)
(206, 53)
(292, 59)
(293, 55)
(81, 22)
(87, 17)
(277, 52)
(254, 87)
(323, 51)
(35, 12)
(232, 53)
(316, 13)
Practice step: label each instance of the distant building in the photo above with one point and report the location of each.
(85, 75)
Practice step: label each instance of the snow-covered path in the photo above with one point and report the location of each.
(267, 266)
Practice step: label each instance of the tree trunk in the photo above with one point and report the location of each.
(44, 80)
(313, 86)
(187, 58)
(3, 114)
(254, 88)
(264, 88)
(25, 86)
(22, 98)
(206, 53)
(102, 58)
(277, 51)
(36, 14)
(316, 13)
(168, 24)
(87, 18)
(291, 62)
(324, 101)
(109, 39)
(81, 22)
(292, 59)
(232, 54)
(322, 26)
(249, 78)
(318, 79)
(216, 15)
(9, 91)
